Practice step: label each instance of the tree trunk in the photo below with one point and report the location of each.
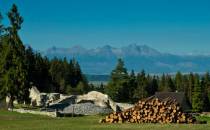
(10, 104)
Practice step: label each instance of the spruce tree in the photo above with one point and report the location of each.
(12, 65)
(1, 26)
(170, 87)
(117, 87)
(142, 84)
(190, 88)
(197, 99)
(179, 82)
(205, 83)
(162, 84)
(132, 84)
(152, 86)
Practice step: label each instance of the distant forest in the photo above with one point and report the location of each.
(21, 68)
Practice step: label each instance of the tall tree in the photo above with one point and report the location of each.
(1, 25)
(152, 86)
(197, 99)
(132, 84)
(142, 84)
(67, 77)
(57, 73)
(38, 70)
(205, 83)
(179, 82)
(162, 83)
(190, 88)
(120, 72)
(1, 30)
(170, 84)
(117, 87)
(12, 64)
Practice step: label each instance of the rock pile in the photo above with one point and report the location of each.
(91, 103)
(86, 109)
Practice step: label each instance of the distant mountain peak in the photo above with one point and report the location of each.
(108, 50)
(107, 46)
(137, 50)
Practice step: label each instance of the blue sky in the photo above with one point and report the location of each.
(177, 26)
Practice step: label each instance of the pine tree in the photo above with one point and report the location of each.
(153, 85)
(170, 87)
(67, 77)
(190, 87)
(179, 82)
(1, 36)
(197, 99)
(205, 83)
(162, 84)
(117, 87)
(12, 65)
(120, 72)
(30, 61)
(142, 85)
(1, 26)
(41, 75)
(132, 84)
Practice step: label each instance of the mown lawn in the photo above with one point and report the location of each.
(16, 121)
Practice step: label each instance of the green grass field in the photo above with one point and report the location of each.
(16, 121)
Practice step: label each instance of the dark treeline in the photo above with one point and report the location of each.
(55, 75)
(21, 67)
(130, 87)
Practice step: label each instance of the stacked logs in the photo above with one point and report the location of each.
(151, 110)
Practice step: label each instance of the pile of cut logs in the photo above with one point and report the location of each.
(151, 110)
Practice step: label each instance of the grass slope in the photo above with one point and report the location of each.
(16, 121)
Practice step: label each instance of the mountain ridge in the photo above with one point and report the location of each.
(102, 60)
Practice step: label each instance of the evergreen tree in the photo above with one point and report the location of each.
(12, 65)
(162, 84)
(186, 87)
(1, 26)
(1, 30)
(67, 77)
(205, 83)
(101, 88)
(41, 76)
(190, 87)
(179, 82)
(170, 87)
(142, 85)
(117, 87)
(197, 99)
(30, 63)
(57, 73)
(120, 72)
(132, 85)
(152, 86)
